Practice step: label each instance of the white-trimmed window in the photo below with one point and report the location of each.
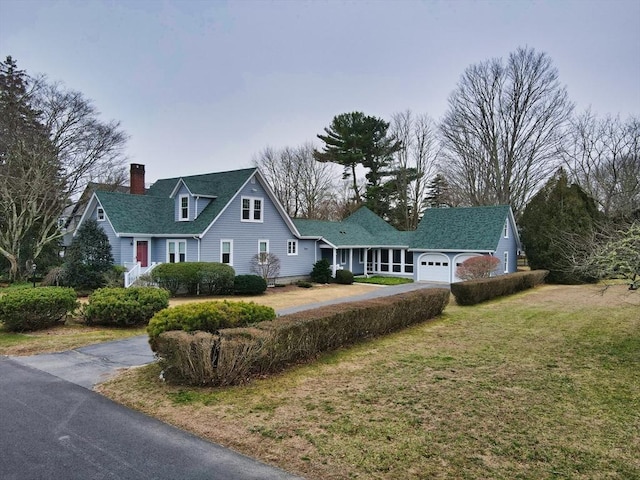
(343, 256)
(292, 247)
(251, 209)
(263, 250)
(226, 251)
(506, 262)
(361, 255)
(505, 231)
(183, 214)
(100, 214)
(176, 251)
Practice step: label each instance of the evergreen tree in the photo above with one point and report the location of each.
(88, 258)
(438, 193)
(557, 220)
(355, 139)
(30, 191)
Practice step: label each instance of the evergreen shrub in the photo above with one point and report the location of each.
(124, 306)
(321, 272)
(249, 285)
(206, 278)
(28, 309)
(344, 277)
(208, 317)
(472, 292)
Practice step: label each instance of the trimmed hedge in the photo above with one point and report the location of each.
(207, 317)
(344, 277)
(36, 308)
(124, 306)
(475, 291)
(207, 278)
(249, 285)
(234, 355)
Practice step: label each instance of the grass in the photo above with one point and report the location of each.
(543, 384)
(379, 280)
(63, 337)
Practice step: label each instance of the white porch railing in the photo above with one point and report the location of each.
(135, 270)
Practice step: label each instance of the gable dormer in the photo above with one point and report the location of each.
(189, 203)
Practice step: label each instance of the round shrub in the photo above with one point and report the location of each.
(36, 308)
(177, 277)
(124, 306)
(249, 285)
(216, 278)
(208, 317)
(321, 272)
(344, 277)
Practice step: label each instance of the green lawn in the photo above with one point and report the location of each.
(378, 280)
(541, 385)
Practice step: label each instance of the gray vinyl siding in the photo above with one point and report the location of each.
(114, 241)
(508, 245)
(200, 205)
(245, 236)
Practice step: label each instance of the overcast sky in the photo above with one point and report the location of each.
(202, 86)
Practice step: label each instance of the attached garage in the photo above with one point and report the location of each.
(434, 267)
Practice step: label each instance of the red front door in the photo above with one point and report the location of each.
(142, 253)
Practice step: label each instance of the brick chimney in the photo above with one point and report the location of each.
(136, 186)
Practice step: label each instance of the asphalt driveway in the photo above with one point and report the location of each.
(53, 426)
(53, 429)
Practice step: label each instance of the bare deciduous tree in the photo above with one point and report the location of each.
(267, 265)
(301, 184)
(88, 149)
(603, 157)
(501, 131)
(414, 164)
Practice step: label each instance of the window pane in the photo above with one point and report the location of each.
(172, 247)
(182, 246)
(226, 247)
(257, 209)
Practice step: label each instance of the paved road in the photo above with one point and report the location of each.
(52, 429)
(52, 426)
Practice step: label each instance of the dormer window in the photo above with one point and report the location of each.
(251, 209)
(184, 208)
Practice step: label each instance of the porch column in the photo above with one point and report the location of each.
(335, 261)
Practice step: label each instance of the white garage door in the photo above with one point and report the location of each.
(458, 261)
(434, 267)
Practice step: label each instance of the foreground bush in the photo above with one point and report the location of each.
(208, 317)
(207, 278)
(249, 285)
(36, 308)
(476, 291)
(232, 356)
(124, 306)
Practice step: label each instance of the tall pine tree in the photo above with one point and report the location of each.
(355, 139)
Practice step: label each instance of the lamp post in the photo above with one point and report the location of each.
(33, 274)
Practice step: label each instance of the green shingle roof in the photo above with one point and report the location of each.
(362, 228)
(154, 213)
(472, 228)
